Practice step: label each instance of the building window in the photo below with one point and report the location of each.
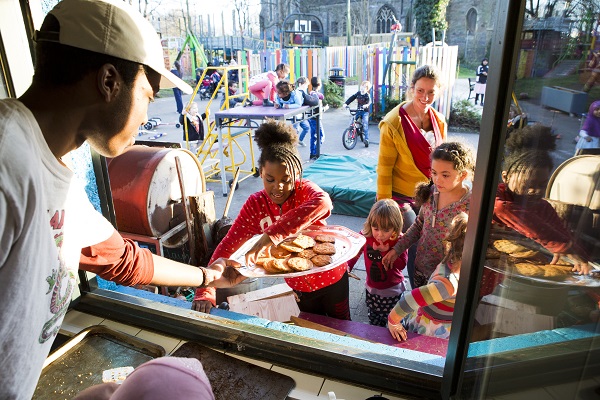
(385, 19)
(471, 21)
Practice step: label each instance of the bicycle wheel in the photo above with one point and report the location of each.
(349, 138)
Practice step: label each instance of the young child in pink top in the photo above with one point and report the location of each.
(262, 86)
(382, 229)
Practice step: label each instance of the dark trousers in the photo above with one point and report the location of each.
(332, 301)
(178, 99)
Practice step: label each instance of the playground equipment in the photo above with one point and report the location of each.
(197, 50)
(208, 153)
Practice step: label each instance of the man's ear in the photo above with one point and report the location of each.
(109, 82)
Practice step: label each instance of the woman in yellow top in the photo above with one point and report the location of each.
(408, 135)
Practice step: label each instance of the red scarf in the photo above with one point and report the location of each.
(419, 147)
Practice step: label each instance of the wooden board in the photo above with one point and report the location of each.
(280, 308)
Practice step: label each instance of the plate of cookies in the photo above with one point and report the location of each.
(316, 249)
(518, 258)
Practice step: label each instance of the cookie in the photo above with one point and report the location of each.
(325, 238)
(307, 253)
(557, 271)
(524, 254)
(508, 246)
(279, 252)
(290, 246)
(304, 241)
(299, 263)
(324, 248)
(276, 266)
(261, 261)
(321, 260)
(527, 269)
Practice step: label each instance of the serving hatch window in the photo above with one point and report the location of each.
(544, 222)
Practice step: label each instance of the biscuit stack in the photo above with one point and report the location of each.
(296, 254)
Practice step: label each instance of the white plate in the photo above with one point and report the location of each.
(347, 244)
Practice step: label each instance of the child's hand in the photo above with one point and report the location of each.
(253, 253)
(389, 259)
(276, 105)
(579, 264)
(326, 107)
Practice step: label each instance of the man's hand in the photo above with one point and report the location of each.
(223, 273)
(202, 306)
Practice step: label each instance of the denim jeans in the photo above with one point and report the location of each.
(313, 135)
(305, 128)
(364, 115)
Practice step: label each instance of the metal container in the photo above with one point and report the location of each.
(146, 190)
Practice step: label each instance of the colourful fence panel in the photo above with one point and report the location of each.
(364, 63)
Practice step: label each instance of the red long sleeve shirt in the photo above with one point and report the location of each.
(308, 205)
(538, 222)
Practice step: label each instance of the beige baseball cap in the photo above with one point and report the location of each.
(114, 28)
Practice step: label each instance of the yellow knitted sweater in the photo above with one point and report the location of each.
(396, 169)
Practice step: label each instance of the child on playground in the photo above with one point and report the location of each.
(382, 229)
(302, 87)
(262, 86)
(232, 88)
(287, 205)
(441, 200)
(427, 310)
(315, 82)
(287, 96)
(363, 103)
(193, 123)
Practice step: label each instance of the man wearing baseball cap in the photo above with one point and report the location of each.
(98, 65)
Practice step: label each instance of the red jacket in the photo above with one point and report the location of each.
(537, 221)
(308, 205)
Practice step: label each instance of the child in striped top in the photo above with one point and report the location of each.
(427, 310)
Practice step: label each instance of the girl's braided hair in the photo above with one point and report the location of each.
(458, 154)
(277, 141)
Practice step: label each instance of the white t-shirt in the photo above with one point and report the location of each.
(45, 220)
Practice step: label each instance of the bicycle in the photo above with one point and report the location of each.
(353, 132)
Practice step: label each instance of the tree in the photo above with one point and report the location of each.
(430, 14)
(361, 20)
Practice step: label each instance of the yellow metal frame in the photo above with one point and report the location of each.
(231, 132)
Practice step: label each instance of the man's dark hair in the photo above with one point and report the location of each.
(60, 65)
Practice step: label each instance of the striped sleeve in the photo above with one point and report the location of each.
(436, 291)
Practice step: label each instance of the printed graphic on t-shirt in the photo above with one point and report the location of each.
(60, 283)
(377, 272)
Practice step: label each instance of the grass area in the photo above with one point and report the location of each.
(466, 72)
(165, 93)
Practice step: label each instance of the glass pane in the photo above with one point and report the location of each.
(538, 303)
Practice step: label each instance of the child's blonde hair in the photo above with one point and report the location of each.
(367, 84)
(385, 214)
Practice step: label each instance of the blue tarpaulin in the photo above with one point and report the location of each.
(350, 182)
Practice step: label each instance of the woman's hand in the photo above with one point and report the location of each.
(259, 246)
(389, 259)
(398, 332)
